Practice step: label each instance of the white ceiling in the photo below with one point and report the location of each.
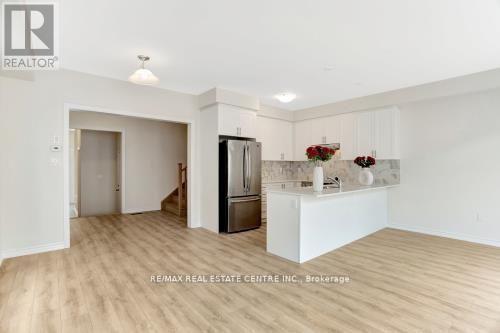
(263, 47)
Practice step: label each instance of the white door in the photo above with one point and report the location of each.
(99, 184)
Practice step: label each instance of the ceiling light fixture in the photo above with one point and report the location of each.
(142, 75)
(286, 97)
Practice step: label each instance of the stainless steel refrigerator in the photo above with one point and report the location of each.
(239, 185)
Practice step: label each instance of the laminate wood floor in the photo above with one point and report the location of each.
(399, 282)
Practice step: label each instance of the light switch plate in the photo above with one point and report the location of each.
(54, 161)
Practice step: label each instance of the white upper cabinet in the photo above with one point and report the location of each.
(386, 133)
(325, 130)
(303, 134)
(364, 133)
(374, 133)
(331, 127)
(236, 121)
(377, 133)
(276, 137)
(348, 134)
(248, 124)
(317, 131)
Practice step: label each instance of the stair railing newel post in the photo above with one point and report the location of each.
(185, 184)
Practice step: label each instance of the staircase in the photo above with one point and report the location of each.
(176, 202)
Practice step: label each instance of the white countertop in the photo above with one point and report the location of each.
(308, 191)
(283, 181)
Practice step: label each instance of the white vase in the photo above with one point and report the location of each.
(365, 177)
(318, 179)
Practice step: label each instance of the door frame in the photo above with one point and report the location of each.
(121, 132)
(191, 157)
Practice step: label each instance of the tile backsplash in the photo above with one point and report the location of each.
(386, 172)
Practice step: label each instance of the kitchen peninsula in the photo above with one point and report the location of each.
(303, 224)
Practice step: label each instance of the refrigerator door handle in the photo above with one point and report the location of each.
(245, 168)
(249, 168)
(248, 199)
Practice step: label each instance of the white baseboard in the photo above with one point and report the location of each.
(140, 210)
(32, 250)
(463, 237)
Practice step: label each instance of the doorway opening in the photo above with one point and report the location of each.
(127, 165)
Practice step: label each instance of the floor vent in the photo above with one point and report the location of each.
(138, 213)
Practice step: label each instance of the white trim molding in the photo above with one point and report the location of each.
(32, 250)
(446, 234)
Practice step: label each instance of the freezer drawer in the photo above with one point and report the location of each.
(243, 213)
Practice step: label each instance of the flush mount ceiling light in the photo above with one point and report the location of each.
(286, 97)
(142, 75)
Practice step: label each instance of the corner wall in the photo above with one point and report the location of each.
(450, 179)
(32, 179)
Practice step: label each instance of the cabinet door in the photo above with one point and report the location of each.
(364, 133)
(229, 120)
(386, 133)
(285, 139)
(303, 139)
(317, 131)
(248, 123)
(264, 137)
(282, 139)
(332, 129)
(276, 137)
(347, 136)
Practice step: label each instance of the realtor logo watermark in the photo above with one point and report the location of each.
(30, 36)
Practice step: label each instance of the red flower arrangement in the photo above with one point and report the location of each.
(319, 153)
(364, 162)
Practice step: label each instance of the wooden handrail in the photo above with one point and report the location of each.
(182, 180)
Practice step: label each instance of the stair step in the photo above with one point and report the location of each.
(173, 208)
(173, 199)
(171, 202)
